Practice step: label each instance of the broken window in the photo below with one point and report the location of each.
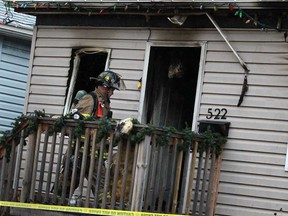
(85, 63)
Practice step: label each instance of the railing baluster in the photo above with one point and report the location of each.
(18, 165)
(215, 182)
(133, 176)
(84, 163)
(191, 176)
(58, 165)
(116, 174)
(155, 177)
(172, 170)
(210, 186)
(177, 181)
(28, 172)
(100, 172)
(3, 176)
(204, 182)
(138, 189)
(127, 172)
(35, 163)
(66, 167)
(10, 176)
(149, 174)
(50, 167)
(107, 173)
(163, 177)
(42, 167)
(75, 169)
(91, 167)
(197, 185)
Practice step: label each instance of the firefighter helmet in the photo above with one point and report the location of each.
(109, 79)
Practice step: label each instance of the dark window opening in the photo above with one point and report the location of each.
(91, 65)
(171, 86)
(84, 64)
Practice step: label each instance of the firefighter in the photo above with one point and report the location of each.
(96, 103)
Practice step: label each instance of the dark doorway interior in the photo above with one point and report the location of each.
(171, 86)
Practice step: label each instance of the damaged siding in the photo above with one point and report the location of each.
(253, 181)
(53, 50)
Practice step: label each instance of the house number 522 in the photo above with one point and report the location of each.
(216, 113)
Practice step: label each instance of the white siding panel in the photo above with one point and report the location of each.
(261, 124)
(129, 74)
(126, 95)
(272, 47)
(49, 109)
(83, 33)
(129, 105)
(128, 54)
(59, 62)
(91, 43)
(248, 190)
(254, 68)
(129, 65)
(253, 202)
(272, 58)
(256, 146)
(253, 157)
(248, 101)
(258, 135)
(130, 84)
(253, 179)
(51, 71)
(53, 81)
(250, 112)
(55, 90)
(52, 52)
(240, 211)
(55, 100)
(269, 91)
(253, 168)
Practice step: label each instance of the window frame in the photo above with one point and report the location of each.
(76, 63)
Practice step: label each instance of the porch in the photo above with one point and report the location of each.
(152, 169)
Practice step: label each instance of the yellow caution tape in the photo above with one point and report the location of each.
(72, 209)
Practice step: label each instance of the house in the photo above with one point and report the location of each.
(199, 60)
(15, 47)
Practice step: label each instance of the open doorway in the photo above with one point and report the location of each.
(85, 63)
(171, 86)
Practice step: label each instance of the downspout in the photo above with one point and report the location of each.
(243, 64)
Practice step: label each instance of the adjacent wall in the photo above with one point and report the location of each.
(253, 181)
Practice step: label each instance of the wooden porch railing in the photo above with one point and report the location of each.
(145, 176)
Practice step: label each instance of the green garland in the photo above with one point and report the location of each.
(208, 139)
(15, 135)
(139, 136)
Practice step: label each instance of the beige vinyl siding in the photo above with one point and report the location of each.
(253, 181)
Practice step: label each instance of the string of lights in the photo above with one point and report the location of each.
(148, 8)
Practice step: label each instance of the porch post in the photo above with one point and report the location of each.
(215, 182)
(140, 175)
(29, 165)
